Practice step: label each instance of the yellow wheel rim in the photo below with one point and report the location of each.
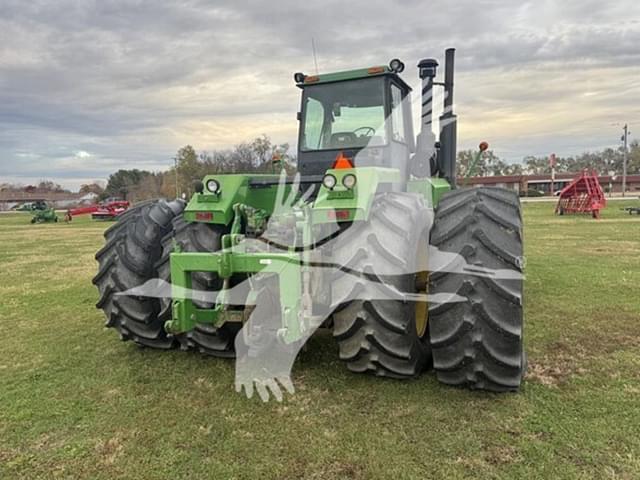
(422, 278)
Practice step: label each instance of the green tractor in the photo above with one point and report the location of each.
(372, 240)
(45, 214)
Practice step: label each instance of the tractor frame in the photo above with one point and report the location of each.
(237, 200)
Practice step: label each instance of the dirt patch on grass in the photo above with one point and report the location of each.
(556, 368)
(612, 248)
(346, 470)
(566, 358)
(109, 450)
(7, 454)
(502, 455)
(491, 457)
(47, 442)
(301, 469)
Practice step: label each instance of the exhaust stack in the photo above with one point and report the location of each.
(448, 125)
(433, 157)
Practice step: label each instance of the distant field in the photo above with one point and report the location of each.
(75, 402)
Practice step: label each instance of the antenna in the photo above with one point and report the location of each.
(315, 56)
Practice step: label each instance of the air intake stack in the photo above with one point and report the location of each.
(433, 157)
(423, 163)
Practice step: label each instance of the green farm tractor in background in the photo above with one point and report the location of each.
(373, 208)
(45, 214)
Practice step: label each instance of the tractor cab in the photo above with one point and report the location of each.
(363, 115)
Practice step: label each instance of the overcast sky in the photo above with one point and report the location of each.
(89, 87)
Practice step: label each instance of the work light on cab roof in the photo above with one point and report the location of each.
(395, 66)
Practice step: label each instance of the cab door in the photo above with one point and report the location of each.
(399, 127)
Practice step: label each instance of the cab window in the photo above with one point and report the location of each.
(397, 114)
(344, 115)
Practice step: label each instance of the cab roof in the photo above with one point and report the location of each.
(370, 72)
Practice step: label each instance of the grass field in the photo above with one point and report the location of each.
(75, 402)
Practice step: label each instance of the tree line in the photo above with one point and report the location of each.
(604, 162)
(44, 186)
(247, 157)
(256, 157)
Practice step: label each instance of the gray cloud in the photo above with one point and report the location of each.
(130, 82)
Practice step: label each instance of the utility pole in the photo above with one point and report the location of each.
(552, 163)
(175, 166)
(624, 139)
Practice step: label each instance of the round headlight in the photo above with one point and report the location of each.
(329, 181)
(213, 186)
(349, 181)
(396, 65)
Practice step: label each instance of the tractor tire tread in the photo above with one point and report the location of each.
(197, 237)
(478, 343)
(378, 336)
(128, 260)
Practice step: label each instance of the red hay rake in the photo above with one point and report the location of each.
(582, 195)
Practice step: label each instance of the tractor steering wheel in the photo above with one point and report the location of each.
(368, 131)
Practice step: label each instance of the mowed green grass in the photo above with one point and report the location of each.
(75, 402)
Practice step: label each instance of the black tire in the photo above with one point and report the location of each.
(133, 246)
(478, 343)
(378, 335)
(198, 237)
(121, 223)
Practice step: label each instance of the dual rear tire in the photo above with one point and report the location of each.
(473, 337)
(136, 250)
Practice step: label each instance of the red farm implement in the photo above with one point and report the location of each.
(103, 211)
(582, 195)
